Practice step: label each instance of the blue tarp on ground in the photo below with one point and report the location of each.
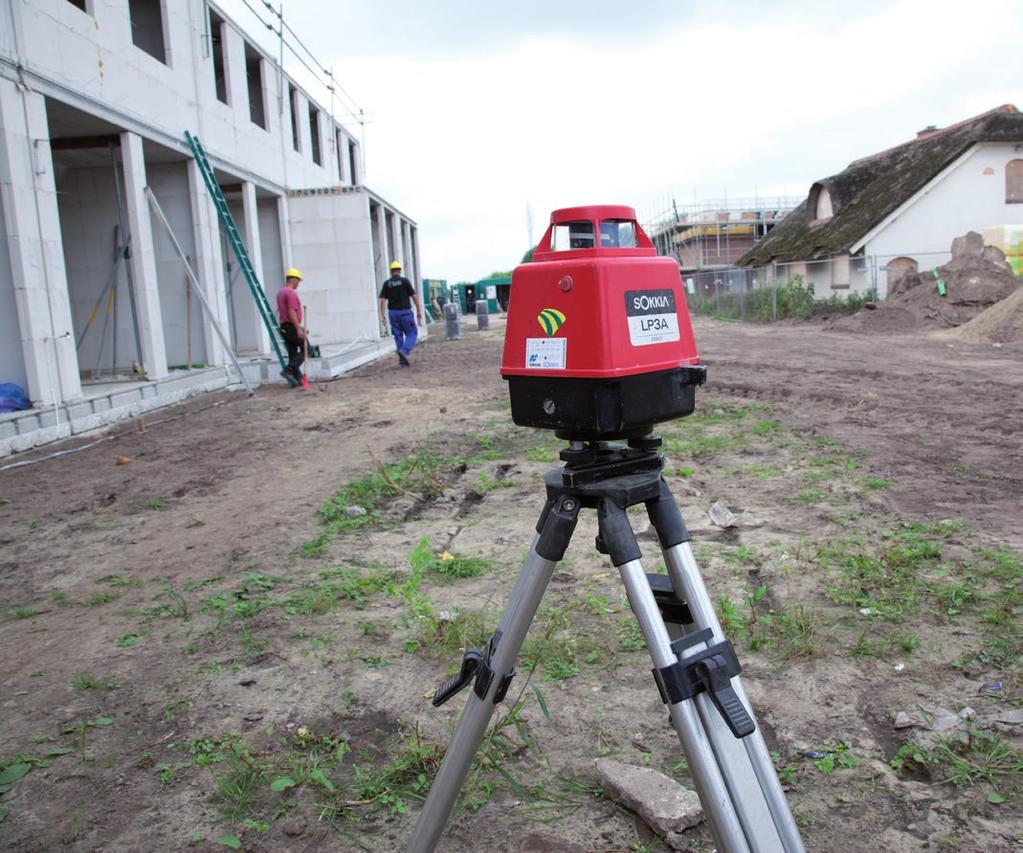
(13, 398)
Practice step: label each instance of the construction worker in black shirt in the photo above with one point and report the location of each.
(397, 295)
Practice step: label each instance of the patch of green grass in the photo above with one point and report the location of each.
(630, 638)
(422, 559)
(80, 682)
(154, 503)
(797, 631)
(766, 427)
(554, 649)
(979, 758)
(101, 598)
(353, 584)
(22, 613)
(810, 497)
(837, 756)
(418, 474)
(875, 483)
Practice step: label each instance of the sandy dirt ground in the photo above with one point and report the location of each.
(195, 655)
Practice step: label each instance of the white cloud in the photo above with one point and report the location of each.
(767, 104)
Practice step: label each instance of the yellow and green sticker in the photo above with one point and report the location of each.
(550, 319)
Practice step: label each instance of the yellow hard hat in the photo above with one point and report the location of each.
(293, 273)
(395, 265)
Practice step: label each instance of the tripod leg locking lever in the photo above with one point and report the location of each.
(709, 671)
(475, 664)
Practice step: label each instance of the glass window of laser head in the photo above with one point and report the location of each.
(572, 235)
(618, 233)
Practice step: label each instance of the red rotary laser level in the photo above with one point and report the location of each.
(599, 344)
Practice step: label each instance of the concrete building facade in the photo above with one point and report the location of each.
(95, 98)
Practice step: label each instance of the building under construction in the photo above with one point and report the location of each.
(98, 317)
(712, 235)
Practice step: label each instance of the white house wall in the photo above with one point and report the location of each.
(963, 199)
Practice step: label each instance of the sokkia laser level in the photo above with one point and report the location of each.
(599, 347)
(598, 343)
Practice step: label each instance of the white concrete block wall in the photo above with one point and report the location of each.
(33, 242)
(331, 241)
(243, 308)
(209, 265)
(88, 218)
(270, 243)
(179, 308)
(11, 356)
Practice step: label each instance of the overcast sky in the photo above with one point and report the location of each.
(477, 112)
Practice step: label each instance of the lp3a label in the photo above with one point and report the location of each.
(652, 316)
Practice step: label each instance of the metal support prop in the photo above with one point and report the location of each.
(197, 289)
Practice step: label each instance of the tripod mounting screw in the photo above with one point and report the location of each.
(568, 505)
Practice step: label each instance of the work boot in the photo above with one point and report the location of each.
(289, 377)
(403, 359)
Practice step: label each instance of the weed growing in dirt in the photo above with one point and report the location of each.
(423, 560)
(22, 613)
(554, 648)
(418, 475)
(979, 758)
(80, 682)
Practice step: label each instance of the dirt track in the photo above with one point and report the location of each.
(183, 584)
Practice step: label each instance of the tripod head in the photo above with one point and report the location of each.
(599, 344)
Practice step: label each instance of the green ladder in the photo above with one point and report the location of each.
(235, 239)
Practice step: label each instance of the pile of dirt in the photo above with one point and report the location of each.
(1001, 323)
(976, 278)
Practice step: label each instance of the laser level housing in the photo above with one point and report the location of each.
(599, 344)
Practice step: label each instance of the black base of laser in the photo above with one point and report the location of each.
(604, 409)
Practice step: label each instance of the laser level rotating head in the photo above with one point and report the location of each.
(599, 344)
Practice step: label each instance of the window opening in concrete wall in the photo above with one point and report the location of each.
(314, 133)
(353, 161)
(254, 79)
(296, 137)
(79, 4)
(147, 27)
(1014, 182)
(217, 44)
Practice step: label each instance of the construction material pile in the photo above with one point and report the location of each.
(976, 278)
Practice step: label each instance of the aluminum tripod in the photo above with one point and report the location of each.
(695, 668)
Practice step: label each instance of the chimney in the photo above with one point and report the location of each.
(927, 131)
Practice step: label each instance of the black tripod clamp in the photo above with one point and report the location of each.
(475, 665)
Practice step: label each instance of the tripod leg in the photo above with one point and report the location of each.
(620, 541)
(557, 523)
(763, 807)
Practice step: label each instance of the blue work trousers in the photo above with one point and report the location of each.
(404, 329)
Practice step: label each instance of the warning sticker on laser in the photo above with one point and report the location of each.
(546, 353)
(652, 316)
